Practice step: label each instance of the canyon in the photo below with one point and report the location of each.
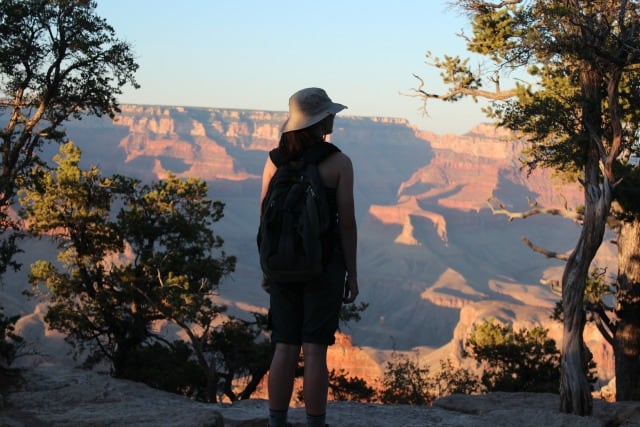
(433, 258)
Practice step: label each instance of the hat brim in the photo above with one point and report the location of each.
(297, 123)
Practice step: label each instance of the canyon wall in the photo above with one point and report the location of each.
(433, 259)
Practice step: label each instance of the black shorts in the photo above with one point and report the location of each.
(308, 312)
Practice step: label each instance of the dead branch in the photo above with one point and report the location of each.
(545, 252)
(603, 322)
(499, 95)
(481, 5)
(535, 210)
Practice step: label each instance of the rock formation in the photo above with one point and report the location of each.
(432, 257)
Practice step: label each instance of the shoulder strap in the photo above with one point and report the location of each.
(314, 154)
(276, 157)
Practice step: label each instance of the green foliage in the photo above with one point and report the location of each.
(60, 55)
(242, 355)
(73, 207)
(627, 193)
(596, 291)
(524, 360)
(169, 227)
(406, 382)
(573, 86)
(58, 60)
(345, 388)
(11, 235)
(543, 50)
(451, 380)
(10, 342)
(155, 261)
(169, 368)
(351, 312)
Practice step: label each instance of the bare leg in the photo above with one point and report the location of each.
(316, 378)
(281, 375)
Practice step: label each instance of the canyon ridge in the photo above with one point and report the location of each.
(433, 259)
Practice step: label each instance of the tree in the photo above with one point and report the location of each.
(105, 301)
(619, 324)
(58, 61)
(625, 330)
(524, 360)
(73, 208)
(237, 358)
(240, 354)
(174, 276)
(406, 382)
(579, 114)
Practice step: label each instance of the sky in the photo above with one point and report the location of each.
(253, 54)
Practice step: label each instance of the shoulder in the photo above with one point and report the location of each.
(339, 159)
(335, 168)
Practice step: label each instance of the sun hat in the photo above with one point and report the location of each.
(308, 107)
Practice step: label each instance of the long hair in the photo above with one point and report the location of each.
(292, 144)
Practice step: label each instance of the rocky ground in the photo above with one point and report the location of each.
(62, 396)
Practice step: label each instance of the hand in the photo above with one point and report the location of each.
(350, 290)
(265, 285)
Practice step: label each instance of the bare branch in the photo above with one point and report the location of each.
(545, 252)
(535, 210)
(604, 324)
(457, 92)
(483, 6)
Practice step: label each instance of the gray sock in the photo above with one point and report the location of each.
(316, 420)
(277, 418)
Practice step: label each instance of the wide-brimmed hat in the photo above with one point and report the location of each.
(308, 107)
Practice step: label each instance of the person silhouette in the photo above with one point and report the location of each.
(306, 315)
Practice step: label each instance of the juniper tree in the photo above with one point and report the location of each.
(130, 254)
(58, 60)
(578, 111)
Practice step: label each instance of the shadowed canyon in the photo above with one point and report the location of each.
(433, 259)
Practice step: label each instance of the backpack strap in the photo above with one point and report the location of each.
(314, 154)
(276, 157)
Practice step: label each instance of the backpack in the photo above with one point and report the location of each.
(295, 222)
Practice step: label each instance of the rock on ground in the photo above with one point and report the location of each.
(62, 396)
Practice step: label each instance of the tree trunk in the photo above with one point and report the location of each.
(626, 340)
(575, 392)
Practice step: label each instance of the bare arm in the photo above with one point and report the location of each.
(348, 228)
(267, 173)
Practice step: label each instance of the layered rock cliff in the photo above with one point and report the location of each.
(432, 257)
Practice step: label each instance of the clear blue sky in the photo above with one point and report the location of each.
(253, 54)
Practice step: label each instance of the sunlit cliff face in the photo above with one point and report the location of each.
(432, 258)
(464, 173)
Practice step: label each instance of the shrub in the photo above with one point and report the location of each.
(343, 388)
(406, 382)
(525, 360)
